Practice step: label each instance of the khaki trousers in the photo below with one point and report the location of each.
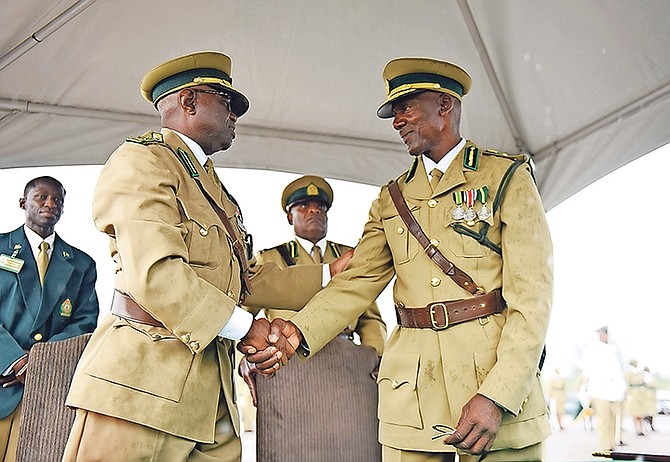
(606, 422)
(97, 437)
(530, 453)
(9, 435)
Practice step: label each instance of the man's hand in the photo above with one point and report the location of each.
(341, 263)
(18, 375)
(248, 372)
(477, 427)
(270, 345)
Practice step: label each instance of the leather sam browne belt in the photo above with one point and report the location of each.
(125, 307)
(441, 315)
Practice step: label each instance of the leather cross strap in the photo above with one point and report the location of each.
(459, 276)
(441, 315)
(238, 249)
(125, 307)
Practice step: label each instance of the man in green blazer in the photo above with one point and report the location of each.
(460, 373)
(47, 293)
(156, 379)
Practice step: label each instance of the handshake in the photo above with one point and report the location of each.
(269, 345)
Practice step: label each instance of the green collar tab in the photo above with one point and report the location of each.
(471, 158)
(188, 163)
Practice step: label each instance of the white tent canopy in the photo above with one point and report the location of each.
(584, 86)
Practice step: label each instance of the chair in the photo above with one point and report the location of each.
(322, 409)
(45, 421)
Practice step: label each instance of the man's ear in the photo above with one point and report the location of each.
(187, 100)
(22, 203)
(289, 217)
(446, 103)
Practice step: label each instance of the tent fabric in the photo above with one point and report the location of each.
(582, 86)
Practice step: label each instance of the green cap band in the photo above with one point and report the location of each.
(183, 78)
(408, 79)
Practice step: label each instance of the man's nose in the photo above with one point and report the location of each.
(398, 122)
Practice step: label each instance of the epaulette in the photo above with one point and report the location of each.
(521, 156)
(150, 137)
(288, 251)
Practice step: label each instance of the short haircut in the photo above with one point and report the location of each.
(33, 183)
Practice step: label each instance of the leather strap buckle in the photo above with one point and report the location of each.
(433, 322)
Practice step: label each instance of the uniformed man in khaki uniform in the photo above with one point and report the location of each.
(461, 370)
(155, 382)
(337, 405)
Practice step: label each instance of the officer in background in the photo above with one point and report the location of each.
(461, 371)
(48, 294)
(332, 396)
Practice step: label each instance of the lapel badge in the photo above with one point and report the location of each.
(66, 308)
(66, 254)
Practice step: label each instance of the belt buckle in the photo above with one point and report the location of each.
(433, 322)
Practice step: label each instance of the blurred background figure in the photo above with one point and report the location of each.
(650, 410)
(603, 372)
(557, 396)
(635, 396)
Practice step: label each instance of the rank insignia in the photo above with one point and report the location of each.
(66, 308)
(471, 158)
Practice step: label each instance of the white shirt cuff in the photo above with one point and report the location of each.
(238, 324)
(325, 278)
(10, 369)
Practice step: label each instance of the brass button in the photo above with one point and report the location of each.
(432, 203)
(435, 282)
(38, 336)
(186, 338)
(203, 232)
(400, 230)
(395, 384)
(194, 345)
(435, 242)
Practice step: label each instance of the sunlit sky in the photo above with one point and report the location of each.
(611, 253)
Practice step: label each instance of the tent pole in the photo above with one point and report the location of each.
(492, 76)
(39, 36)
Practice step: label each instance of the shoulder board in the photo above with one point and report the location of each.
(150, 137)
(521, 157)
(291, 246)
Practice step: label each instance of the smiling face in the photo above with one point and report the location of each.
(43, 203)
(423, 121)
(309, 220)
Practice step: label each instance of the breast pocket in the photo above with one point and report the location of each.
(204, 234)
(463, 245)
(403, 245)
(398, 397)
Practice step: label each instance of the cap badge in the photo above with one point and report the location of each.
(312, 190)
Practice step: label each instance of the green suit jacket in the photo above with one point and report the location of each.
(426, 376)
(174, 258)
(369, 326)
(65, 306)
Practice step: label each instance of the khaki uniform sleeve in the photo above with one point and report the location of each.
(528, 290)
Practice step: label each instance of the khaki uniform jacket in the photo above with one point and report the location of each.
(426, 376)
(369, 326)
(174, 258)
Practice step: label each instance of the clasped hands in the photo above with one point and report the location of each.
(270, 345)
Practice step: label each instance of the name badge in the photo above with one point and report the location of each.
(12, 264)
